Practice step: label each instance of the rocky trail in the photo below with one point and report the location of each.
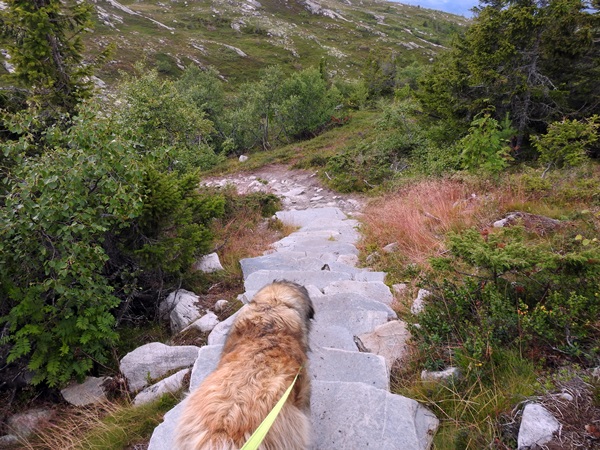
(351, 405)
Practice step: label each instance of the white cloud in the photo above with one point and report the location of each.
(456, 7)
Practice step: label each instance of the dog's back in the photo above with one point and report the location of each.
(265, 349)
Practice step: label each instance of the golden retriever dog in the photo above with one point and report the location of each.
(265, 349)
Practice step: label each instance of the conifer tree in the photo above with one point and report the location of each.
(538, 61)
(45, 44)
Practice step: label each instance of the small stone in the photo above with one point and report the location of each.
(243, 158)
(443, 375)
(537, 427)
(419, 303)
(206, 323)
(391, 248)
(208, 263)
(399, 288)
(566, 396)
(220, 305)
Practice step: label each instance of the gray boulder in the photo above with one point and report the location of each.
(90, 392)
(219, 333)
(181, 308)
(205, 323)
(208, 263)
(169, 385)
(163, 437)
(389, 340)
(358, 416)
(331, 336)
(153, 361)
(24, 424)
(207, 361)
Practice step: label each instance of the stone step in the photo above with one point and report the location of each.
(375, 290)
(350, 301)
(331, 336)
(320, 279)
(308, 217)
(279, 261)
(349, 415)
(355, 321)
(329, 364)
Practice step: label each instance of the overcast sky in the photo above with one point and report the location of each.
(452, 6)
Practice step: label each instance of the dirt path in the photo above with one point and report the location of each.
(299, 189)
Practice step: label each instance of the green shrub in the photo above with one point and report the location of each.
(566, 143)
(487, 144)
(89, 225)
(507, 288)
(56, 215)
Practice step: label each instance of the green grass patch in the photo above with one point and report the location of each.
(472, 409)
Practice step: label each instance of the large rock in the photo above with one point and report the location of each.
(537, 427)
(358, 416)
(153, 361)
(169, 385)
(206, 323)
(24, 424)
(181, 307)
(90, 392)
(163, 437)
(389, 340)
(328, 364)
(446, 375)
(374, 290)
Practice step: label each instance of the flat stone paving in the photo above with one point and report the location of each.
(351, 406)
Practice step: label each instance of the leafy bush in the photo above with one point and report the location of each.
(53, 224)
(370, 164)
(86, 228)
(566, 142)
(487, 144)
(166, 122)
(307, 104)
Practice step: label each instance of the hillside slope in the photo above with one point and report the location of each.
(240, 37)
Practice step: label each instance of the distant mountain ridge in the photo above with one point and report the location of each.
(241, 37)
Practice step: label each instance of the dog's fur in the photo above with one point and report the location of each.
(266, 347)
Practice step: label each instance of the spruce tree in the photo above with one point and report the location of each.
(45, 43)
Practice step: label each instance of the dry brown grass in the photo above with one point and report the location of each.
(418, 216)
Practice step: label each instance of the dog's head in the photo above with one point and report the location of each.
(291, 295)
